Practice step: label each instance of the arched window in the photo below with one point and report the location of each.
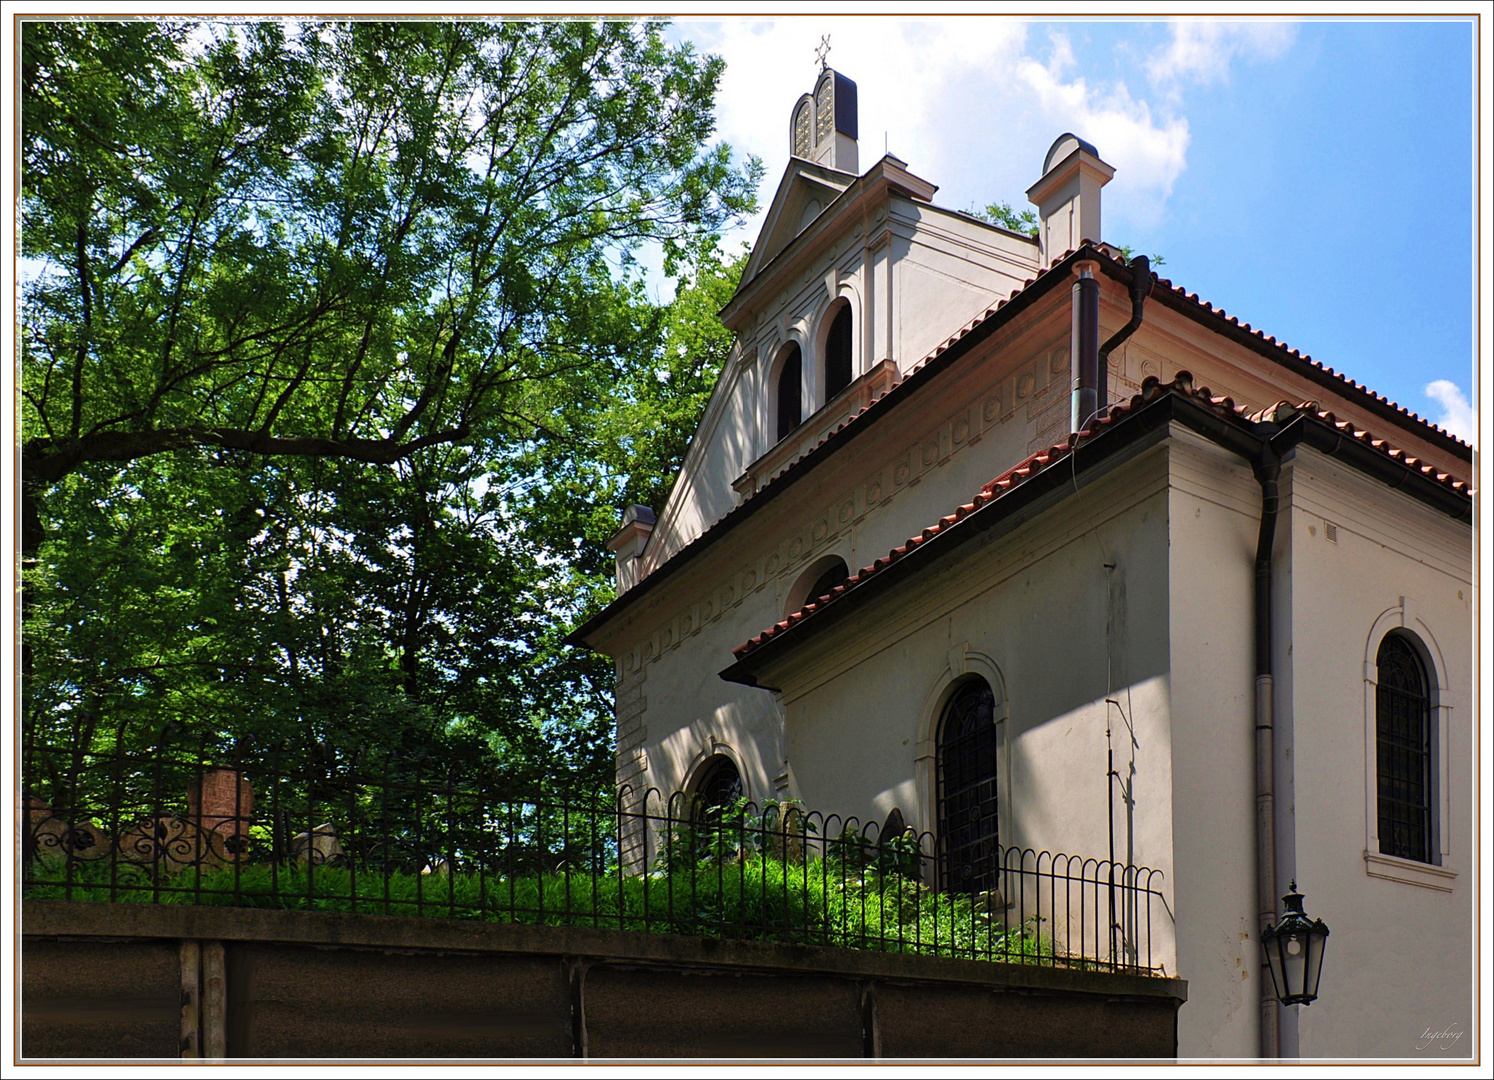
(969, 840)
(821, 576)
(803, 142)
(790, 392)
(824, 109)
(832, 577)
(718, 787)
(838, 367)
(1403, 751)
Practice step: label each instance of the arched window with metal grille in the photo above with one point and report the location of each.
(717, 789)
(1403, 751)
(969, 836)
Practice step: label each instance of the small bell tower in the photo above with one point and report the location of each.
(823, 124)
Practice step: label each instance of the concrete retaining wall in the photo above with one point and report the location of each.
(139, 981)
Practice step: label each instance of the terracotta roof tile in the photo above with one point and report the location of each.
(1151, 389)
(1344, 427)
(1178, 291)
(1158, 283)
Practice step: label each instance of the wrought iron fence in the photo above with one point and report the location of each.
(307, 827)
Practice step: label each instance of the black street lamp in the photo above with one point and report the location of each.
(1294, 952)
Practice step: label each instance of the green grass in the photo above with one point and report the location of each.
(757, 898)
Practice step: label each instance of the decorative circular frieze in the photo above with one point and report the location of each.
(821, 527)
(1024, 384)
(685, 624)
(705, 611)
(930, 452)
(900, 474)
(1117, 360)
(1058, 361)
(749, 579)
(628, 662)
(961, 429)
(726, 595)
(873, 492)
(772, 565)
(847, 508)
(648, 649)
(796, 548)
(993, 407)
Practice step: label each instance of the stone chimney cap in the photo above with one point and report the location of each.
(640, 514)
(1058, 151)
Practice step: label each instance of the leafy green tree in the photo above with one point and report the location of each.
(1001, 213)
(331, 382)
(417, 608)
(338, 240)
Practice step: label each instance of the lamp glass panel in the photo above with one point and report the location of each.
(1314, 970)
(1294, 962)
(1273, 959)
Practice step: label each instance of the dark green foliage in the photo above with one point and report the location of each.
(751, 896)
(331, 386)
(1024, 221)
(349, 240)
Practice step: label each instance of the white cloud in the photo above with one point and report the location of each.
(963, 100)
(1457, 411)
(1149, 153)
(1200, 53)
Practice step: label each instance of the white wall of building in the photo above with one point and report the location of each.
(1138, 590)
(1039, 615)
(912, 273)
(1399, 961)
(1215, 507)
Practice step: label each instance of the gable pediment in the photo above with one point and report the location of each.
(805, 191)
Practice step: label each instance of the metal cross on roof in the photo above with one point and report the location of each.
(823, 51)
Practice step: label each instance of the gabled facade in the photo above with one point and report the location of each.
(944, 456)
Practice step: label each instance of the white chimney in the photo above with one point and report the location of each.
(1068, 196)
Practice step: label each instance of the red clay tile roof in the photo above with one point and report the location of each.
(1099, 252)
(1182, 294)
(1344, 427)
(1151, 389)
(1162, 290)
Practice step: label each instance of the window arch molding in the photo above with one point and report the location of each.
(1403, 622)
(963, 666)
(827, 350)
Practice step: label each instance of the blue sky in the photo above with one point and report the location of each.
(1315, 179)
